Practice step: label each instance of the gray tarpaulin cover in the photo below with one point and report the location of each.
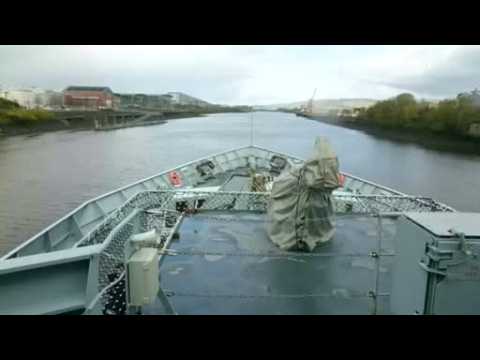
(300, 209)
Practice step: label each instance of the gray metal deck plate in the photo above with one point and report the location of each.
(225, 284)
(223, 178)
(237, 183)
(232, 180)
(439, 223)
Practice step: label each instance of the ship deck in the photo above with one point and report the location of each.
(218, 261)
(224, 263)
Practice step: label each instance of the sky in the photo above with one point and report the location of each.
(248, 74)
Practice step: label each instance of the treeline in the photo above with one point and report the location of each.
(451, 116)
(294, 110)
(211, 108)
(222, 108)
(13, 114)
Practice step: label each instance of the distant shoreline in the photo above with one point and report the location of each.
(82, 123)
(439, 142)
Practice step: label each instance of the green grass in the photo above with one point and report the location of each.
(13, 114)
(8, 104)
(23, 117)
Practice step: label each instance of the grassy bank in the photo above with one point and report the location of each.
(14, 118)
(451, 125)
(452, 117)
(448, 143)
(19, 121)
(23, 117)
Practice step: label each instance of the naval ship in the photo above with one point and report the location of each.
(194, 240)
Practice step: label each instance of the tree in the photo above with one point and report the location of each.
(406, 100)
(8, 104)
(451, 116)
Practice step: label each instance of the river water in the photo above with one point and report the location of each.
(43, 177)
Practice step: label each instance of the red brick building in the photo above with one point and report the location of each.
(89, 97)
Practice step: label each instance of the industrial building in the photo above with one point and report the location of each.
(97, 98)
(90, 97)
(162, 102)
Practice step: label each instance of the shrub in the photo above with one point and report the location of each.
(19, 116)
(8, 104)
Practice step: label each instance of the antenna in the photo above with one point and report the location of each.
(310, 102)
(251, 127)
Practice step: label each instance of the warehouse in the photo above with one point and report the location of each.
(89, 97)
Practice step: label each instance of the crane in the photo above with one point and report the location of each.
(310, 103)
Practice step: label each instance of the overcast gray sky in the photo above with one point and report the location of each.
(248, 74)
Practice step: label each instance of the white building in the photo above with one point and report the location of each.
(24, 97)
(31, 98)
(184, 99)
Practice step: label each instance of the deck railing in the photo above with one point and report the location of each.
(162, 209)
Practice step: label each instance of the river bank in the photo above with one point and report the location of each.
(433, 141)
(81, 120)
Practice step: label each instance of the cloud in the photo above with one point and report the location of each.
(247, 74)
(199, 70)
(441, 74)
